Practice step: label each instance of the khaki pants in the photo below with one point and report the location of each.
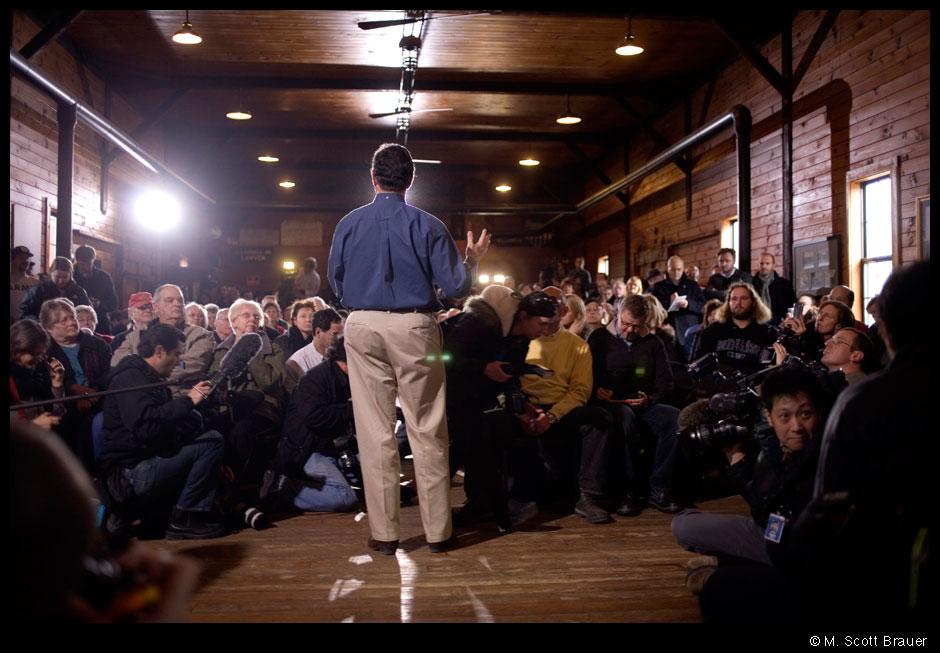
(389, 355)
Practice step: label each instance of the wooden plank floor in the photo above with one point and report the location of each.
(315, 567)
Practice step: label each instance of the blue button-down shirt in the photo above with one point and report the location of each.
(388, 254)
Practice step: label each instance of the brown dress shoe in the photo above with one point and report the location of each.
(388, 548)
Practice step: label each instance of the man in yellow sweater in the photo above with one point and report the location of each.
(558, 408)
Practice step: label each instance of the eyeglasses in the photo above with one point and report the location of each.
(145, 307)
(839, 341)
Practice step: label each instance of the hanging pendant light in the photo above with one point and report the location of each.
(241, 113)
(185, 35)
(629, 47)
(568, 118)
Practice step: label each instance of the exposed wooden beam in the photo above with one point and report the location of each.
(149, 121)
(49, 33)
(824, 26)
(594, 168)
(753, 55)
(651, 131)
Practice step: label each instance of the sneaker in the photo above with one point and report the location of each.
(191, 525)
(587, 507)
(267, 495)
(630, 506)
(661, 500)
(696, 578)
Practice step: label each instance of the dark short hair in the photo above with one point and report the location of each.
(337, 351)
(638, 306)
(902, 301)
(160, 334)
(861, 342)
(728, 250)
(323, 318)
(539, 304)
(28, 337)
(393, 167)
(85, 253)
(846, 316)
(787, 381)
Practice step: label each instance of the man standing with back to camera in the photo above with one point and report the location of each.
(384, 261)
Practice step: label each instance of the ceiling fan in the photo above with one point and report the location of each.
(414, 17)
(401, 110)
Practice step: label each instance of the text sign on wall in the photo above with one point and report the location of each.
(308, 233)
(258, 237)
(252, 254)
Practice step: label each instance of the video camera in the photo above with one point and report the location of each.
(516, 399)
(348, 447)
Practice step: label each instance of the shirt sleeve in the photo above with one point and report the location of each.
(455, 277)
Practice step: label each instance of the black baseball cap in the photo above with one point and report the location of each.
(20, 249)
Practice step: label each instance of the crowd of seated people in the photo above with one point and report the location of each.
(558, 400)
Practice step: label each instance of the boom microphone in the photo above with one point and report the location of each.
(236, 361)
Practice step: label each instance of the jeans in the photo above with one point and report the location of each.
(327, 489)
(660, 419)
(726, 536)
(189, 478)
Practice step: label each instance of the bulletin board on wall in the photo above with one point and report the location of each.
(816, 265)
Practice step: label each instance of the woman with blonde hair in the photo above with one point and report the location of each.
(657, 326)
(574, 319)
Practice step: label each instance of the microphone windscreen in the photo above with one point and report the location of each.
(241, 353)
(694, 415)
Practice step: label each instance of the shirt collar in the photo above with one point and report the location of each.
(382, 197)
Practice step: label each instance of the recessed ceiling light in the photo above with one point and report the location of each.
(567, 119)
(238, 115)
(287, 184)
(502, 188)
(268, 158)
(529, 162)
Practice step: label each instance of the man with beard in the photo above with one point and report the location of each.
(740, 332)
(775, 291)
(720, 282)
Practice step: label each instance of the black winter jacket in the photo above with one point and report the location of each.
(141, 424)
(319, 412)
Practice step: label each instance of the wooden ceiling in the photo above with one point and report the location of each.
(310, 79)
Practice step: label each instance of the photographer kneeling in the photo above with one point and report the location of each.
(795, 405)
(318, 440)
(156, 443)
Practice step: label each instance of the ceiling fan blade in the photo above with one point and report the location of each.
(386, 115)
(378, 24)
(399, 112)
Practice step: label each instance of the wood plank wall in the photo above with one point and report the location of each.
(874, 65)
(864, 99)
(33, 158)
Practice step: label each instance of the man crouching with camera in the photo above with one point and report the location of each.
(776, 487)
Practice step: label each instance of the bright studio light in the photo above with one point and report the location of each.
(157, 211)
(499, 278)
(484, 278)
(289, 266)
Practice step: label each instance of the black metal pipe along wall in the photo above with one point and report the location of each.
(739, 117)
